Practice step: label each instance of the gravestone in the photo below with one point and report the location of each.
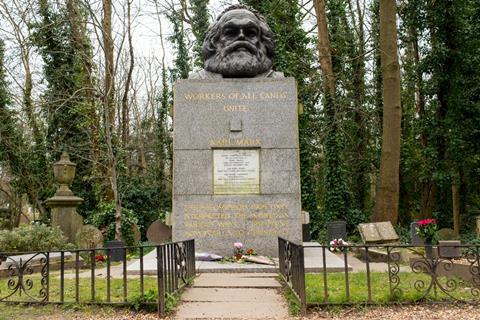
(337, 230)
(89, 237)
(159, 232)
(378, 232)
(117, 250)
(449, 249)
(477, 229)
(236, 163)
(416, 240)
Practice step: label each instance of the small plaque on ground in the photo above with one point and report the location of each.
(236, 171)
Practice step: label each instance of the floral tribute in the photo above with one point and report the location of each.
(99, 258)
(251, 252)
(426, 229)
(238, 250)
(337, 244)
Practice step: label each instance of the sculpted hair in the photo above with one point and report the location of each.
(213, 33)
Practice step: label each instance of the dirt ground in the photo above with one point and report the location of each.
(421, 312)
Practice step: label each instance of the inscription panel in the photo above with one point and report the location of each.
(236, 171)
(216, 222)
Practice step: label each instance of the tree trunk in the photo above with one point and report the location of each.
(82, 48)
(324, 49)
(125, 107)
(456, 207)
(109, 112)
(386, 201)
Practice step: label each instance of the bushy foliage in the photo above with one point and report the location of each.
(36, 237)
(142, 197)
(104, 219)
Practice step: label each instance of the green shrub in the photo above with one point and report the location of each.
(104, 219)
(36, 237)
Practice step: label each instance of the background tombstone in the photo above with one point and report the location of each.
(337, 230)
(89, 237)
(116, 250)
(416, 240)
(378, 232)
(159, 232)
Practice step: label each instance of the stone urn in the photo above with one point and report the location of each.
(64, 172)
(64, 202)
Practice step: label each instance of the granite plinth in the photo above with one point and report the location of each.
(212, 119)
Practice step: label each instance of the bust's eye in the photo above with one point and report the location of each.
(230, 32)
(251, 33)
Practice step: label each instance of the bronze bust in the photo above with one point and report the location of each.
(239, 44)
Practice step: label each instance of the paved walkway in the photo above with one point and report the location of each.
(233, 296)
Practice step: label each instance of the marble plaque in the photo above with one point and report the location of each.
(236, 171)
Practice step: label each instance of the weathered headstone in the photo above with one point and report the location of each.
(89, 237)
(416, 240)
(137, 236)
(449, 249)
(446, 234)
(117, 251)
(337, 230)
(378, 232)
(159, 232)
(230, 183)
(477, 229)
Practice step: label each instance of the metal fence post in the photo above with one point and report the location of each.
(161, 288)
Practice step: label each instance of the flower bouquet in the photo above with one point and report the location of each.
(238, 250)
(337, 245)
(426, 229)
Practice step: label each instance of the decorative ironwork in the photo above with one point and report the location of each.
(394, 259)
(181, 262)
(20, 280)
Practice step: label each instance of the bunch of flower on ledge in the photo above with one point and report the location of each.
(337, 244)
(251, 252)
(238, 250)
(426, 229)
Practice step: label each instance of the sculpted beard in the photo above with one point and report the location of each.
(240, 58)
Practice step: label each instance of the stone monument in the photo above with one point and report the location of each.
(236, 173)
(64, 203)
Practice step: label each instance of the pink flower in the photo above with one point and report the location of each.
(238, 245)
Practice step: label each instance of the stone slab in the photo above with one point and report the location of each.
(378, 232)
(229, 295)
(232, 310)
(312, 256)
(235, 280)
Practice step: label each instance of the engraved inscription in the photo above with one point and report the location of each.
(236, 171)
(227, 220)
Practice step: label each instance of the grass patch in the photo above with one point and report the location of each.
(134, 297)
(337, 293)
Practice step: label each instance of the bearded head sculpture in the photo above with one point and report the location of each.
(239, 44)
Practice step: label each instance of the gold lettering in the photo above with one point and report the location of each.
(237, 108)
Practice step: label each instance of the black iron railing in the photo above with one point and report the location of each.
(90, 276)
(379, 274)
(291, 268)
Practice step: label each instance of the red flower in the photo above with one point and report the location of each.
(99, 258)
(426, 222)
